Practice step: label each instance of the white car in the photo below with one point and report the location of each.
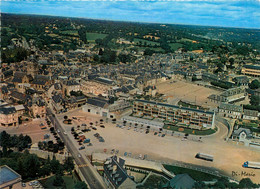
(65, 133)
(79, 155)
(58, 130)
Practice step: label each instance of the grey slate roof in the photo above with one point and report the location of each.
(176, 107)
(72, 82)
(96, 102)
(238, 131)
(252, 113)
(117, 176)
(231, 107)
(7, 110)
(182, 181)
(255, 67)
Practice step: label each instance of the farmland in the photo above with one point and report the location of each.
(91, 37)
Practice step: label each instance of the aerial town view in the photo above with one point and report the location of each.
(130, 94)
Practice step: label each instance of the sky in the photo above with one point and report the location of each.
(227, 13)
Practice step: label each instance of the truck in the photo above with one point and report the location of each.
(204, 156)
(250, 164)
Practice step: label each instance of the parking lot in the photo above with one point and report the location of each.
(30, 128)
(227, 157)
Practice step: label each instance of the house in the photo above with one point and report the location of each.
(19, 97)
(116, 176)
(8, 116)
(58, 103)
(250, 114)
(37, 107)
(229, 96)
(251, 70)
(241, 80)
(20, 109)
(98, 106)
(241, 134)
(70, 85)
(181, 181)
(150, 90)
(9, 178)
(40, 82)
(75, 102)
(230, 111)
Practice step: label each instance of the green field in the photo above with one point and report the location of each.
(190, 131)
(154, 181)
(69, 182)
(147, 42)
(175, 46)
(71, 32)
(185, 40)
(91, 37)
(196, 175)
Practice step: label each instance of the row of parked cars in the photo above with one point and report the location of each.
(159, 134)
(99, 137)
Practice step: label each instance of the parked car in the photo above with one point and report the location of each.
(82, 147)
(101, 139)
(23, 184)
(125, 154)
(163, 135)
(90, 144)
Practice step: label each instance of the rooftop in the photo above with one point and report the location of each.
(8, 176)
(175, 107)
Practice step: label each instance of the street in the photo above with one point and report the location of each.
(86, 170)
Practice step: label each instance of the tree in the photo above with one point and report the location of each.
(58, 180)
(255, 84)
(83, 34)
(80, 185)
(255, 100)
(56, 166)
(247, 183)
(32, 165)
(65, 117)
(231, 61)
(148, 52)
(69, 165)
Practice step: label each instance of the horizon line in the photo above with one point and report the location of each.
(143, 22)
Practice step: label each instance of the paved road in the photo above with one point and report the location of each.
(87, 172)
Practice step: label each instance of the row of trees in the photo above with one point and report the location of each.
(110, 56)
(50, 146)
(29, 166)
(224, 183)
(16, 54)
(20, 142)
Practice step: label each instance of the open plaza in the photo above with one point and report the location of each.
(228, 158)
(182, 90)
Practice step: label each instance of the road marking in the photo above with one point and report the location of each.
(83, 165)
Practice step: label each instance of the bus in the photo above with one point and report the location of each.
(204, 156)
